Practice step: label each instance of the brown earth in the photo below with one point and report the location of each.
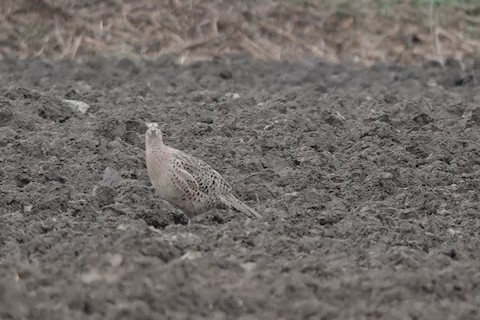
(368, 181)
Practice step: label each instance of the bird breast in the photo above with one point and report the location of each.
(157, 166)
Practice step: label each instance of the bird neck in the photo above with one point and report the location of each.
(155, 140)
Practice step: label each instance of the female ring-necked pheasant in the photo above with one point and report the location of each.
(187, 182)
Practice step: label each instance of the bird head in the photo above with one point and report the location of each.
(154, 134)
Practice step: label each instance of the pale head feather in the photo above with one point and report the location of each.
(153, 134)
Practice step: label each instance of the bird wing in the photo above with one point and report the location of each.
(184, 179)
(203, 177)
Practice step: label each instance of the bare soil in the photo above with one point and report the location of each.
(367, 179)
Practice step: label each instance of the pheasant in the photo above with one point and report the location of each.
(187, 182)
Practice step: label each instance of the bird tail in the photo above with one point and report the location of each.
(230, 200)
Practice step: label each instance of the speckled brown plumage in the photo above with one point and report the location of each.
(187, 182)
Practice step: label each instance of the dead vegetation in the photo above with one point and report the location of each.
(337, 31)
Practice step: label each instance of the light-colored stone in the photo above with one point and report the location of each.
(77, 105)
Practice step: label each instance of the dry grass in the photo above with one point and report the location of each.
(360, 31)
